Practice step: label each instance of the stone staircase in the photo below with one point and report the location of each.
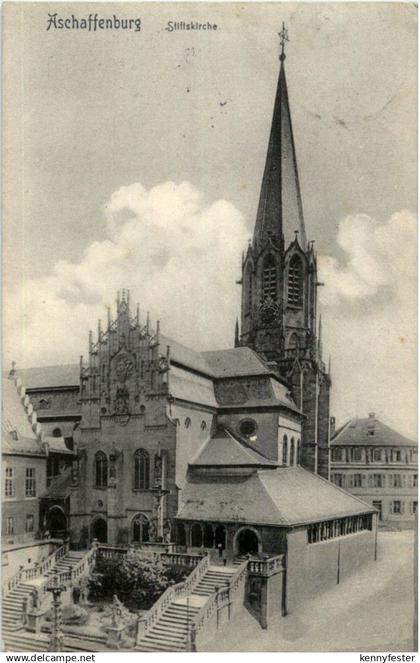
(12, 603)
(170, 632)
(23, 641)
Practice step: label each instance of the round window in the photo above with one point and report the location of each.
(247, 427)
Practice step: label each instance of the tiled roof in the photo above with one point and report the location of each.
(65, 375)
(236, 362)
(282, 496)
(18, 434)
(181, 354)
(191, 387)
(357, 432)
(226, 449)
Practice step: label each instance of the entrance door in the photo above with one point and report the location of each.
(57, 523)
(100, 530)
(247, 542)
(378, 505)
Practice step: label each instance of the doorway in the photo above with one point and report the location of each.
(100, 530)
(247, 542)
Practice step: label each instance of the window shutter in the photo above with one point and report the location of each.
(391, 507)
(370, 480)
(402, 506)
(363, 480)
(391, 480)
(351, 481)
(402, 480)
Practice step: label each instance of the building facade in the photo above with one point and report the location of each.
(374, 462)
(279, 316)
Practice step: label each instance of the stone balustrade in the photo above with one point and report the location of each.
(266, 567)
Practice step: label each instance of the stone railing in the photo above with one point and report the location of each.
(71, 576)
(107, 551)
(36, 570)
(180, 590)
(220, 599)
(181, 559)
(266, 567)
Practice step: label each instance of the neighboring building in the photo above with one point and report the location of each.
(374, 462)
(24, 461)
(279, 288)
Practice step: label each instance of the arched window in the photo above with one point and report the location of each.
(295, 282)
(292, 452)
(285, 450)
(140, 529)
(187, 422)
(269, 278)
(101, 470)
(141, 470)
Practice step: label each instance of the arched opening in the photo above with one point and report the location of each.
(295, 282)
(220, 536)
(181, 536)
(298, 452)
(284, 459)
(57, 522)
(196, 536)
(100, 530)
(140, 529)
(269, 280)
(292, 451)
(208, 536)
(56, 432)
(141, 470)
(101, 470)
(247, 542)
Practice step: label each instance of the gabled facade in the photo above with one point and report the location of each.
(279, 287)
(374, 462)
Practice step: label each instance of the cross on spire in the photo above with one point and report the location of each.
(284, 36)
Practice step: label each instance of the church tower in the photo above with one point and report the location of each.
(279, 286)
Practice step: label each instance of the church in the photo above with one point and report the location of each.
(222, 450)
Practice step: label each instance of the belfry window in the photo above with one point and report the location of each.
(101, 470)
(295, 282)
(141, 470)
(269, 278)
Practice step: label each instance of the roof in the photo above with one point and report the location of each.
(58, 445)
(185, 356)
(357, 432)
(65, 375)
(225, 449)
(60, 486)
(191, 387)
(279, 497)
(236, 362)
(18, 434)
(280, 205)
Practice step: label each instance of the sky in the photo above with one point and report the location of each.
(134, 159)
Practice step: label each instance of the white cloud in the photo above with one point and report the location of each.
(179, 257)
(370, 312)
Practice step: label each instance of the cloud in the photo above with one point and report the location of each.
(370, 313)
(179, 256)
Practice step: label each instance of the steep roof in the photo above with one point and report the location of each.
(280, 205)
(64, 375)
(191, 387)
(282, 497)
(226, 449)
(19, 427)
(235, 362)
(358, 432)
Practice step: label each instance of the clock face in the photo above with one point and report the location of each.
(268, 311)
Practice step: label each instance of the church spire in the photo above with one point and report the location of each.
(280, 211)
